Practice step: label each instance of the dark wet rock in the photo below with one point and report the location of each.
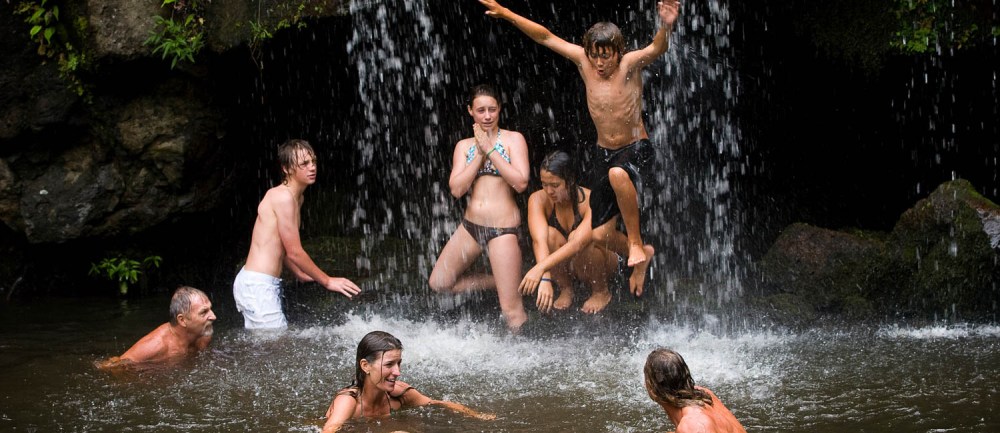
(118, 28)
(943, 241)
(822, 266)
(938, 260)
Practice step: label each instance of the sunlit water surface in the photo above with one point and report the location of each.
(576, 374)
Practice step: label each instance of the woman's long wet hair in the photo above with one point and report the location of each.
(560, 164)
(371, 347)
(669, 382)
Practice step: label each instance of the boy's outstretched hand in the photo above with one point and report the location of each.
(668, 10)
(493, 8)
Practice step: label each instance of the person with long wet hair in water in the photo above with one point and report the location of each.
(490, 168)
(691, 408)
(377, 391)
(559, 223)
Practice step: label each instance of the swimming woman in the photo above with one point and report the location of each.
(377, 391)
(559, 223)
(490, 167)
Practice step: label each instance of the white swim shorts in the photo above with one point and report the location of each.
(258, 297)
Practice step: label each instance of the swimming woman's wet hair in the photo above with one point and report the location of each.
(560, 164)
(483, 90)
(288, 153)
(180, 302)
(669, 382)
(604, 35)
(371, 347)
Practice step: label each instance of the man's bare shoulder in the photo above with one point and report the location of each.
(696, 419)
(152, 347)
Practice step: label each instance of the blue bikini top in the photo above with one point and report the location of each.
(487, 168)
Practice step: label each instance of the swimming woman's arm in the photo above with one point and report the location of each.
(464, 410)
(341, 410)
(411, 397)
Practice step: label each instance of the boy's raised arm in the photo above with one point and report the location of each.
(667, 12)
(536, 32)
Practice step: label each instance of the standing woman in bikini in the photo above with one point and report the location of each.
(490, 167)
(377, 390)
(559, 223)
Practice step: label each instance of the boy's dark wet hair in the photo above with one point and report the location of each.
(483, 90)
(560, 164)
(288, 153)
(604, 35)
(669, 382)
(371, 347)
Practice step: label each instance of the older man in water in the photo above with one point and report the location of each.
(691, 408)
(188, 331)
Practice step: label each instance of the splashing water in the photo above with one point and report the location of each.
(691, 95)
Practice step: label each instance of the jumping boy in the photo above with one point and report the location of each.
(613, 81)
(275, 242)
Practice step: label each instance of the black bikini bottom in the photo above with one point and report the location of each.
(483, 235)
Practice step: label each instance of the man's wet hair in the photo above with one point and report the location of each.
(180, 302)
(669, 382)
(604, 35)
(288, 153)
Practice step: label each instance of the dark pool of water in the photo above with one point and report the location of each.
(584, 376)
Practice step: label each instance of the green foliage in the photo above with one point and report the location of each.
(925, 24)
(55, 40)
(284, 15)
(180, 36)
(43, 18)
(123, 270)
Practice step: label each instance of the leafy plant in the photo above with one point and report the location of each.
(55, 40)
(181, 38)
(43, 18)
(926, 24)
(123, 270)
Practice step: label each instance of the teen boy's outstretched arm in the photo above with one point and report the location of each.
(536, 32)
(667, 12)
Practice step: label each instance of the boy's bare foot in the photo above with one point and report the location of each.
(638, 278)
(565, 298)
(596, 302)
(637, 254)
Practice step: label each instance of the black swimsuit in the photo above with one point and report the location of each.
(483, 235)
(554, 221)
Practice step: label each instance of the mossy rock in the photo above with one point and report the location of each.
(943, 242)
(823, 267)
(786, 309)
